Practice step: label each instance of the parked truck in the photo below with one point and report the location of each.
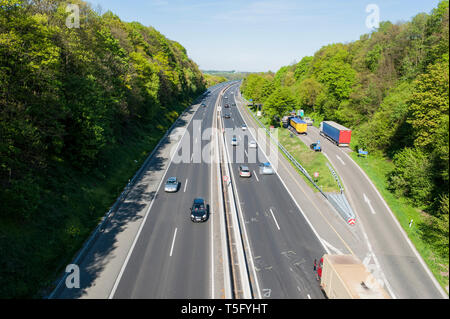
(299, 125)
(346, 277)
(337, 133)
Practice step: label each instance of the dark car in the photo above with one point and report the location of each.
(227, 106)
(233, 104)
(199, 211)
(203, 104)
(227, 116)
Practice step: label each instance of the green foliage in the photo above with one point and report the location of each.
(70, 100)
(309, 91)
(212, 80)
(429, 104)
(392, 88)
(278, 104)
(302, 68)
(412, 176)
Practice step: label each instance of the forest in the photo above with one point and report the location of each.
(80, 109)
(391, 87)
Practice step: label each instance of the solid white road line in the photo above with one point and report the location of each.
(271, 211)
(173, 241)
(403, 232)
(289, 192)
(122, 270)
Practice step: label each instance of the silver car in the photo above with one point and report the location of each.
(172, 185)
(266, 169)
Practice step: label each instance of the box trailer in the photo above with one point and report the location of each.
(346, 277)
(339, 134)
(299, 125)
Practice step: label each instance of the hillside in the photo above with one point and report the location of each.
(391, 87)
(80, 109)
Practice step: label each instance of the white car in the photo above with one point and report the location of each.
(309, 121)
(244, 127)
(266, 169)
(172, 185)
(252, 144)
(244, 171)
(234, 141)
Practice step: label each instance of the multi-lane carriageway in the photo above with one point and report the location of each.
(168, 256)
(173, 257)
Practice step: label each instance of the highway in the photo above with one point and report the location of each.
(283, 245)
(168, 256)
(172, 256)
(407, 274)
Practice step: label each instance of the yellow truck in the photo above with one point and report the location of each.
(346, 277)
(300, 126)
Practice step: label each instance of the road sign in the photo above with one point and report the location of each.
(351, 221)
(225, 178)
(316, 174)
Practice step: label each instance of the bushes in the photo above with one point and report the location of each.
(412, 176)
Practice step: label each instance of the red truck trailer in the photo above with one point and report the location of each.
(337, 133)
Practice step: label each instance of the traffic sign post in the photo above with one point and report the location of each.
(316, 176)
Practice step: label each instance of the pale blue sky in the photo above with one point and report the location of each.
(258, 35)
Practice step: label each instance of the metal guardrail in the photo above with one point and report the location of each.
(290, 157)
(335, 177)
(107, 217)
(338, 201)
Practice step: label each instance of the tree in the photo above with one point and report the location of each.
(309, 91)
(429, 104)
(278, 103)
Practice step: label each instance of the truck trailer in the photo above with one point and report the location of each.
(346, 277)
(338, 134)
(299, 125)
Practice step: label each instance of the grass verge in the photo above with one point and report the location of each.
(310, 160)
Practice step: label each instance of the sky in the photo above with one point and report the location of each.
(260, 35)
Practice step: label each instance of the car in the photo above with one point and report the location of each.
(244, 171)
(199, 211)
(227, 106)
(309, 121)
(234, 141)
(316, 147)
(226, 97)
(172, 185)
(203, 105)
(266, 169)
(227, 115)
(244, 127)
(233, 104)
(252, 144)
